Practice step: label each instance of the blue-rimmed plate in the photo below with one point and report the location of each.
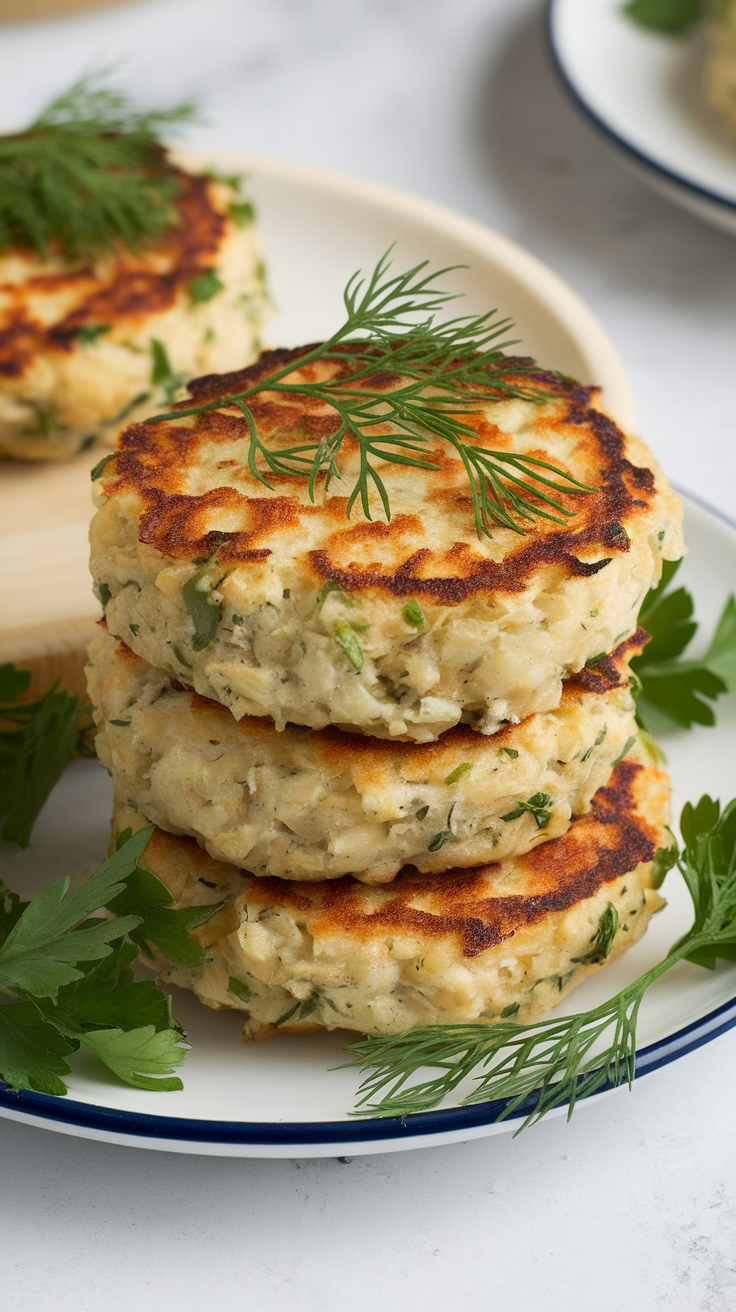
(282, 1098)
(644, 90)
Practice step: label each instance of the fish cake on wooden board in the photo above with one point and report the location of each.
(400, 629)
(426, 949)
(314, 804)
(78, 353)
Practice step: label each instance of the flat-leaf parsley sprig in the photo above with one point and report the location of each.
(535, 1068)
(66, 978)
(88, 173)
(438, 373)
(38, 735)
(665, 683)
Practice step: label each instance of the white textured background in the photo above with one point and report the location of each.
(632, 1205)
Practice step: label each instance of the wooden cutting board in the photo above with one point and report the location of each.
(47, 608)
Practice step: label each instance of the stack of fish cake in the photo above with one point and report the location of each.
(404, 757)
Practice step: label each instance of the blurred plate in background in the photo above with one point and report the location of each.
(644, 90)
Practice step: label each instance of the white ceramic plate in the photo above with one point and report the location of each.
(643, 89)
(282, 1098)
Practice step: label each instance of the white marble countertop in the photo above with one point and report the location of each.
(633, 1203)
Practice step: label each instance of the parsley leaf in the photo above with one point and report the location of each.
(664, 683)
(146, 898)
(142, 1057)
(44, 948)
(32, 1052)
(37, 738)
(108, 996)
(68, 982)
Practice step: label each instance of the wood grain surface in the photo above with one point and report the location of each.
(47, 608)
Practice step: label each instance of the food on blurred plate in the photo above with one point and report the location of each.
(720, 72)
(121, 274)
(509, 939)
(718, 49)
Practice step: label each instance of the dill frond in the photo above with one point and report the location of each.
(528, 1070)
(88, 174)
(443, 371)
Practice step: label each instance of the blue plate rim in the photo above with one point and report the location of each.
(640, 156)
(172, 1129)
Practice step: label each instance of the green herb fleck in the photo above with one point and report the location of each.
(509, 1011)
(205, 287)
(332, 586)
(624, 751)
(597, 743)
(91, 332)
(540, 806)
(421, 813)
(134, 628)
(441, 839)
(345, 638)
(240, 989)
(237, 619)
(287, 1015)
(105, 595)
(510, 751)
(181, 659)
(458, 772)
(101, 465)
(603, 939)
(122, 724)
(414, 615)
(242, 213)
(202, 608)
(664, 859)
(162, 375)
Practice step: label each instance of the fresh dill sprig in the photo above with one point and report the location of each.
(38, 735)
(535, 1068)
(89, 173)
(664, 683)
(439, 372)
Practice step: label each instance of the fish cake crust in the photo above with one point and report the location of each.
(425, 949)
(397, 630)
(314, 804)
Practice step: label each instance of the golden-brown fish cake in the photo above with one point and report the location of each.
(498, 624)
(463, 946)
(76, 337)
(314, 804)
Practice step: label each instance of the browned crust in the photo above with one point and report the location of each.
(155, 461)
(340, 748)
(598, 848)
(135, 288)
